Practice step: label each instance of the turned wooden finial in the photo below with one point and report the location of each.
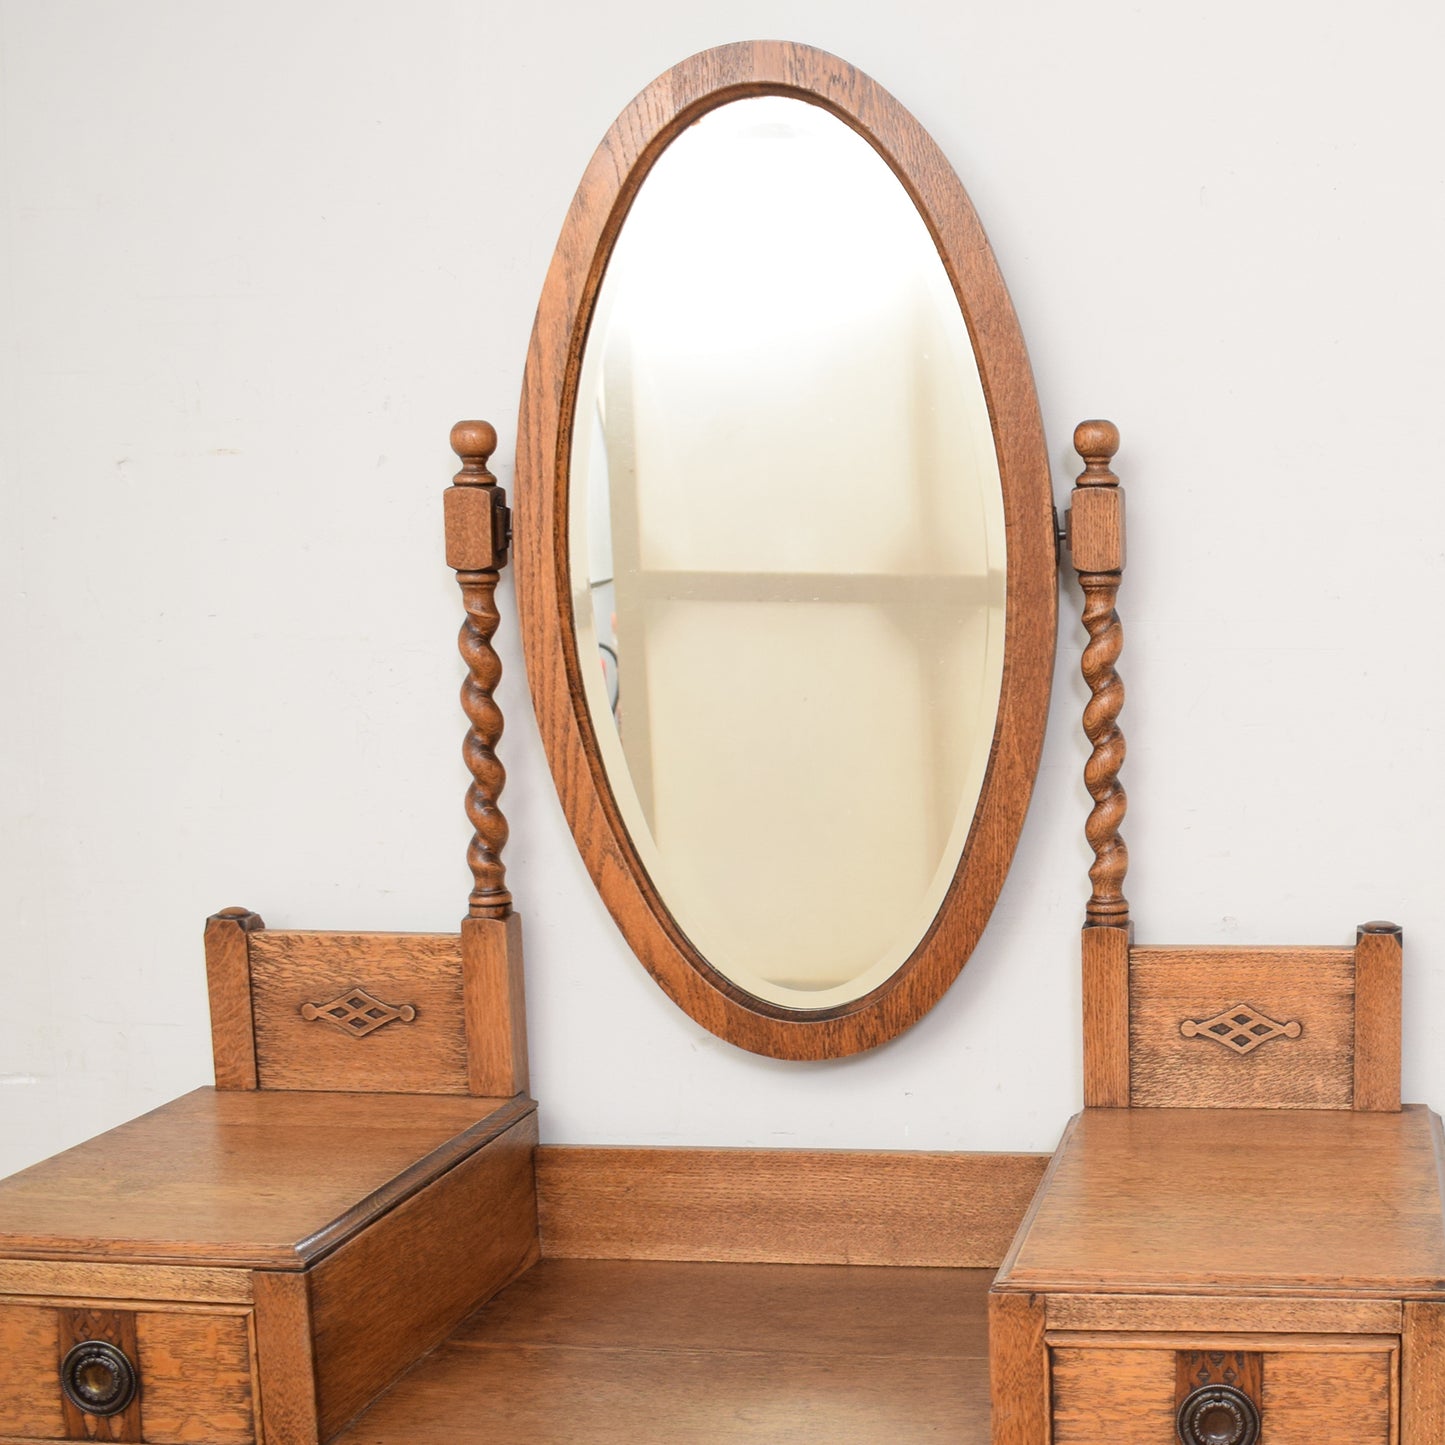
(1096, 541)
(478, 533)
(1096, 442)
(474, 442)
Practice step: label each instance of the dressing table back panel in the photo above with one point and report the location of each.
(382, 1013)
(1243, 1028)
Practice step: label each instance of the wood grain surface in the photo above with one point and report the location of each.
(243, 1179)
(782, 1205)
(389, 1295)
(1314, 987)
(642, 1353)
(197, 1380)
(30, 1402)
(424, 970)
(1222, 1201)
(602, 201)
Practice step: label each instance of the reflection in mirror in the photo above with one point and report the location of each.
(787, 552)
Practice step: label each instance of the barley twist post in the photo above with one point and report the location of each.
(477, 537)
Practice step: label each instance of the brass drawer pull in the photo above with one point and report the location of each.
(97, 1378)
(1218, 1415)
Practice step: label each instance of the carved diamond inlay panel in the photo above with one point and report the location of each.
(1241, 1028)
(357, 1013)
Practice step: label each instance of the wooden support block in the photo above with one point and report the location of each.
(1378, 956)
(496, 1016)
(1018, 1370)
(475, 520)
(228, 980)
(1096, 529)
(1106, 1015)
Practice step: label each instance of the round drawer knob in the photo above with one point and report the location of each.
(1218, 1415)
(97, 1378)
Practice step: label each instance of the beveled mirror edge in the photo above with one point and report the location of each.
(611, 180)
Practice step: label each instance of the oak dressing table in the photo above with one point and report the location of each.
(355, 1237)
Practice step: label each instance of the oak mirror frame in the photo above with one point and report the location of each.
(544, 487)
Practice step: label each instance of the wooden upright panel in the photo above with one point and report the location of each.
(285, 1360)
(403, 1286)
(1242, 1028)
(1106, 1015)
(1019, 1370)
(783, 1206)
(1422, 1370)
(495, 1008)
(407, 1036)
(228, 981)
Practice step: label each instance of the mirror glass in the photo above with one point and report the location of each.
(786, 552)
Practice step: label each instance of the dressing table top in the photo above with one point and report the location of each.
(1224, 1200)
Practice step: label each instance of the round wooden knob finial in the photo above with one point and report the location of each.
(474, 440)
(1096, 441)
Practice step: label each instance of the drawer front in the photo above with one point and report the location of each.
(193, 1366)
(1306, 1389)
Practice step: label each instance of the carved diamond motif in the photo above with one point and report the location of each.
(357, 1013)
(1240, 1028)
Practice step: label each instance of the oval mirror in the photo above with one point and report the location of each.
(785, 554)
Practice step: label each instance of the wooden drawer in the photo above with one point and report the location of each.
(1309, 1389)
(196, 1382)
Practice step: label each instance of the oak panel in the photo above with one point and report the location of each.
(1311, 987)
(1329, 1398)
(783, 1205)
(1120, 1395)
(427, 1055)
(196, 1378)
(400, 1288)
(30, 1401)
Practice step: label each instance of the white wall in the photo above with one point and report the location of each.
(254, 260)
